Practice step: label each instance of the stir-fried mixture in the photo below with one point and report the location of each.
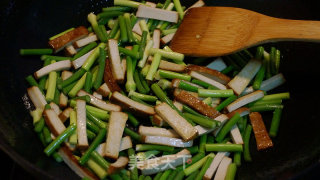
(115, 102)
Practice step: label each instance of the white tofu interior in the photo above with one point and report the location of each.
(129, 102)
(167, 141)
(214, 165)
(222, 169)
(199, 3)
(100, 103)
(53, 121)
(126, 143)
(115, 60)
(55, 108)
(236, 135)
(203, 130)
(156, 38)
(268, 84)
(117, 123)
(178, 123)
(210, 81)
(85, 41)
(245, 100)
(37, 98)
(243, 78)
(80, 61)
(71, 50)
(104, 90)
(156, 131)
(81, 123)
(136, 28)
(155, 13)
(57, 66)
(97, 95)
(167, 38)
(223, 119)
(63, 100)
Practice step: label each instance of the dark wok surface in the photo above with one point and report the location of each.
(28, 24)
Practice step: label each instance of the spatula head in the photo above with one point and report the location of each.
(214, 31)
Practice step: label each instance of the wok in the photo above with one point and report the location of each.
(29, 23)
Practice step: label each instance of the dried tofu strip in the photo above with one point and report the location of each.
(245, 100)
(268, 84)
(100, 103)
(109, 78)
(170, 66)
(243, 111)
(104, 90)
(100, 149)
(80, 61)
(55, 107)
(195, 103)
(53, 122)
(157, 120)
(167, 38)
(209, 73)
(176, 82)
(97, 95)
(156, 38)
(214, 165)
(84, 41)
(121, 163)
(223, 119)
(115, 60)
(203, 130)
(167, 141)
(178, 123)
(63, 100)
(215, 102)
(151, 4)
(126, 143)
(81, 124)
(241, 80)
(236, 135)
(68, 38)
(57, 66)
(117, 123)
(65, 75)
(178, 105)
(222, 169)
(131, 105)
(70, 50)
(235, 132)
(37, 98)
(199, 3)
(210, 81)
(260, 132)
(136, 28)
(65, 114)
(155, 13)
(155, 131)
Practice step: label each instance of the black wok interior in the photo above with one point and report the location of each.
(29, 23)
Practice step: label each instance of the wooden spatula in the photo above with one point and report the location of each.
(217, 31)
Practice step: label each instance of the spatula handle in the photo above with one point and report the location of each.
(284, 29)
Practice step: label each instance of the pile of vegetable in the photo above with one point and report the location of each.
(122, 105)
